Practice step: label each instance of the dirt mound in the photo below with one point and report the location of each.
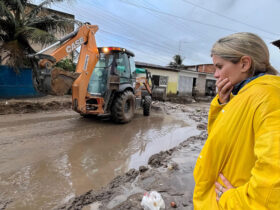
(62, 81)
(20, 106)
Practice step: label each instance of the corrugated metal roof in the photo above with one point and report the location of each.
(183, 68)
(154, 66)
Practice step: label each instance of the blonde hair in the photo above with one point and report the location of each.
(234, 46)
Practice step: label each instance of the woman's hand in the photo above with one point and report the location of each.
(220, 189)
(224, 89)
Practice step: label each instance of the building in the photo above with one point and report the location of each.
(193, 80)
(164, 76)
(197, 80)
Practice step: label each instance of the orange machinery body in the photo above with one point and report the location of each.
(84, 37)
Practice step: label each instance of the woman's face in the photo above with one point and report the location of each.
(226, 69)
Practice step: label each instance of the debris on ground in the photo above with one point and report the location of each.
(31, 105)
(168, 172)
(152, 201)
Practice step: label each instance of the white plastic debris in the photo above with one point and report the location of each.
(152, 201)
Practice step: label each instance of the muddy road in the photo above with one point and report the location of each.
(47, 158)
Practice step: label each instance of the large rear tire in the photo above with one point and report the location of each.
(123, 107)
(147, 105)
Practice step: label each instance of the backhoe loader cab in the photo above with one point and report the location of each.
(116, 62)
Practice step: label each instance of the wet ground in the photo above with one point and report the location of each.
(47, 158)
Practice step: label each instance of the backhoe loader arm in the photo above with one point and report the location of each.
(56, 81)
(140, 81)
(68, 44)
(88, 58)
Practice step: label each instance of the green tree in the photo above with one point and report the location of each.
(20, 27)
(177, 61)
(67, 65)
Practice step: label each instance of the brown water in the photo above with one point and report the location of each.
(48, 158)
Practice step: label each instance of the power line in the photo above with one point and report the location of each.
(143, 30)
(120, 23)
(185, 19)
(147, 43)
(178, 17)
(133, 40)
(179, 25)
(229, 18)
(154, 57)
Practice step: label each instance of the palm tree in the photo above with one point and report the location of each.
(19, 28)
(177, 61)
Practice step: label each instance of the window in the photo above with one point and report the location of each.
(132, 66)
(123, 67)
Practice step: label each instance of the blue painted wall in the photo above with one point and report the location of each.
(16, 85)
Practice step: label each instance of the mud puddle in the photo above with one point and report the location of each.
(48, 158)
(168, 172)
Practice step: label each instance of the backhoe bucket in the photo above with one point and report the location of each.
(55, 82)
(159, 93)
(62, 81)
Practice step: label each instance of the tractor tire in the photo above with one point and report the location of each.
(123, 107)
(147, 105)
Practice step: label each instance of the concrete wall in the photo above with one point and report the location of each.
(186, 78)
(200, 84)
(172, 79)
(185, 86)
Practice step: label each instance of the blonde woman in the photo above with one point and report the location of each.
(239, 165)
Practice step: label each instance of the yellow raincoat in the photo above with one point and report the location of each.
(244, 145)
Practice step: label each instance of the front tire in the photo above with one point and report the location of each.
(123, 107)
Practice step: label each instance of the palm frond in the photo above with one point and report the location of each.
(36, 35)
(5, 13)
(7, 26)
(14, 52)
(17, 6)
(19, 30)
(3, 38)
(51, 23)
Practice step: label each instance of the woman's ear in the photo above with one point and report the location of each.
(246, 63)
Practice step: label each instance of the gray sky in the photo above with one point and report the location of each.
(156, 30)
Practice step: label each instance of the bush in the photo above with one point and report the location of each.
(67, 65)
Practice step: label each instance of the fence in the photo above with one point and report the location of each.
(16, 85)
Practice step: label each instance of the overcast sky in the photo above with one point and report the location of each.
(156, 30)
